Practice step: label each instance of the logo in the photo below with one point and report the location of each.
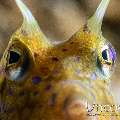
(103, 110)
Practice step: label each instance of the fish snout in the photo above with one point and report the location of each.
(71, 99)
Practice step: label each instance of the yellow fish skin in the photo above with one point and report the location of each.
(43, 81)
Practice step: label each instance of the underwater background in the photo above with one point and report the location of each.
(59, 19)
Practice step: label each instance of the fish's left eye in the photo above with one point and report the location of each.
(109, 55)
(106, 57)
(106, 60)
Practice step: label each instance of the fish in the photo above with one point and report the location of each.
(40, 80)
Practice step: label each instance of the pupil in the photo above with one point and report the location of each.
(14, 57)
(104, 54)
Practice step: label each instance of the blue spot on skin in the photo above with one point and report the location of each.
(78, 71)
(93, 76)
(10, 91)
(36, 80)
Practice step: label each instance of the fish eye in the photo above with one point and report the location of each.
(105, 56)
(106, 60)
(108, 55)
(18, 62)
(14, 57)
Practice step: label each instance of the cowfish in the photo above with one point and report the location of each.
(41, 80)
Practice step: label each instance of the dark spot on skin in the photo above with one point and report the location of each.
(35, 55)
(78, 58)
(65, 103)
(24, 32)
(36, 80)
(55, 59)
(48, 87)
(53, 99)
(35, 93)
(44, 69)
(64, 49)
(56, 72)
(85, 28)
(22, 93)
(71, 42)
(10, 91)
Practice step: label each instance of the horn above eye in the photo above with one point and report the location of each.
(30, 25)
(95, 22)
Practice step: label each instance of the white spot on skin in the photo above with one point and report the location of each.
(106, 70)
(93, 76)
(105, 47)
